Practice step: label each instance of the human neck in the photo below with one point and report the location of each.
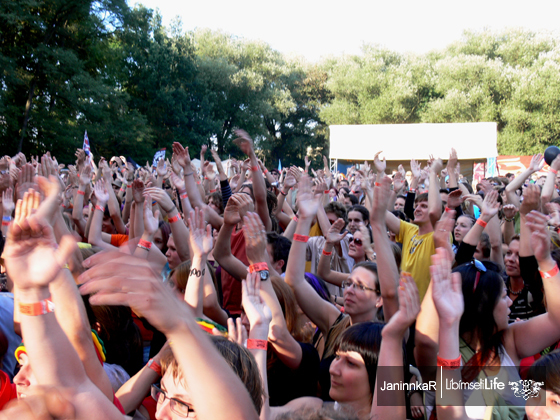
(368, 316)
(361, 407)
(516, 283)
(425, 227)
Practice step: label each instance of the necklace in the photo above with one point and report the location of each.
(515, 293)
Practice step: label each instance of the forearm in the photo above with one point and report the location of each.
(286, 347)
(194, 293)
(138, 220)
(199, 361)
(192, 189)
(525, 249)
(132, 393)
(387, 269)
(434, 199)
(259, 192)
(508, 230)
(495, 235)
(323, 220)
(72, 318)
(77, 211)
(222, 254)
(115, 211)
(427, 335)
(96, 216)
(548, 188)
(324, 268)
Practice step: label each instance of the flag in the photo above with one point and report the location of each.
(279, 166)
(160, 154)
(86, 147)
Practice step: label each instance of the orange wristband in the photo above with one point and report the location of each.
(98, 207)
(449, 364)
(300, 238)
(81, 192)
(39, 308)
(481, 222)
(183, 196)
(257, 344)
(549, 274)
(174, 218)
(257, 267)
(152, 364)
(144, 244)
(554, 171)
(326, 253)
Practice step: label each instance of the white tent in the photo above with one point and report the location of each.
(474, 142)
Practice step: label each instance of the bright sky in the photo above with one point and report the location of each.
(313, 28)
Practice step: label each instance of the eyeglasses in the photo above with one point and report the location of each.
(480, 268)
(356, 241)
(178, 407)
(349, 283)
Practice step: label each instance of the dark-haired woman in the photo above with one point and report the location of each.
(481, 337)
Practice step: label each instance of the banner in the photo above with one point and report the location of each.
(160, 154)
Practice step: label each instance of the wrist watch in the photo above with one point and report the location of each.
(264, 275)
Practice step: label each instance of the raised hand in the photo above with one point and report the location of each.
(381, 194)
(531, 199)
(200, 233)
(86, 174)
(490, 205)
(380, 165)
(255, 308)
(203, 149)
(415, 169)
(8, 205)
(244, 141)
(231, 212)
(537, 162)
(182, 156)
(409, 308)
(31, 255)
(246, 204)
(101, 193)
(177, 182)
(51, 205)
(442, 230)
(447, 292)
(307, 203)
(307, 162)
(106, 170)
(452, 162)
(161, 197)
(437, 166)
(138, 191)
(161, 168)
(289, 181)
(398, 182)
(455, 199)
(540, 235)
(151, 219)
(509, 211)
(25, 180)
(334, 235)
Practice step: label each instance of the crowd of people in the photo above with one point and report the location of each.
(240, 292)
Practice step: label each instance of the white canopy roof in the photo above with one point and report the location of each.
(414, 141)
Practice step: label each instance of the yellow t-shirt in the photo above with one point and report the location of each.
(416, 254)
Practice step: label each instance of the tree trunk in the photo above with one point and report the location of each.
(28, 105)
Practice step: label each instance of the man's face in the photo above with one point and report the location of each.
(355, 219)
(421, 213)
(107, 225)
(344, 183)
(399, 204)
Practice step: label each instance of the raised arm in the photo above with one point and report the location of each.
(95, 234)
(321, 313)
(386, 265)
(537, 163)
(434, 198)
(324, 271)
(196, 356)
(113, 203)
(245, 143)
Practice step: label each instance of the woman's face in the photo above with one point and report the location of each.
(355, 248)
(511, 259)
(332, 193)
(502, 311)
(462, 227)
(361, 302)
(25, 377)
(158, 240)
(349, 378)
(548, 409)
(177, 390)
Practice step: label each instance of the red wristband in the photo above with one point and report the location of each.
(257, 267)
(481, 223)
(265, 171)
(98, 207)
(448, 209)
(377, 184)
(326, 191)
(257, 344)
(254, 168)
(326, 253)
(152, 364)
(81, 192)
(300, 238)
(412, 190)
(39, 308)
(449, 364)
(174, 218)
(554, 171)
(144, 244)
(4, 223)
(212, 191)
(544, 274)
(129, 186)
(183, 196)
(283, 193)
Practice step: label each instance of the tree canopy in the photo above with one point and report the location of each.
(136, 86)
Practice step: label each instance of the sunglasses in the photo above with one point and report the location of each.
(356, 241)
